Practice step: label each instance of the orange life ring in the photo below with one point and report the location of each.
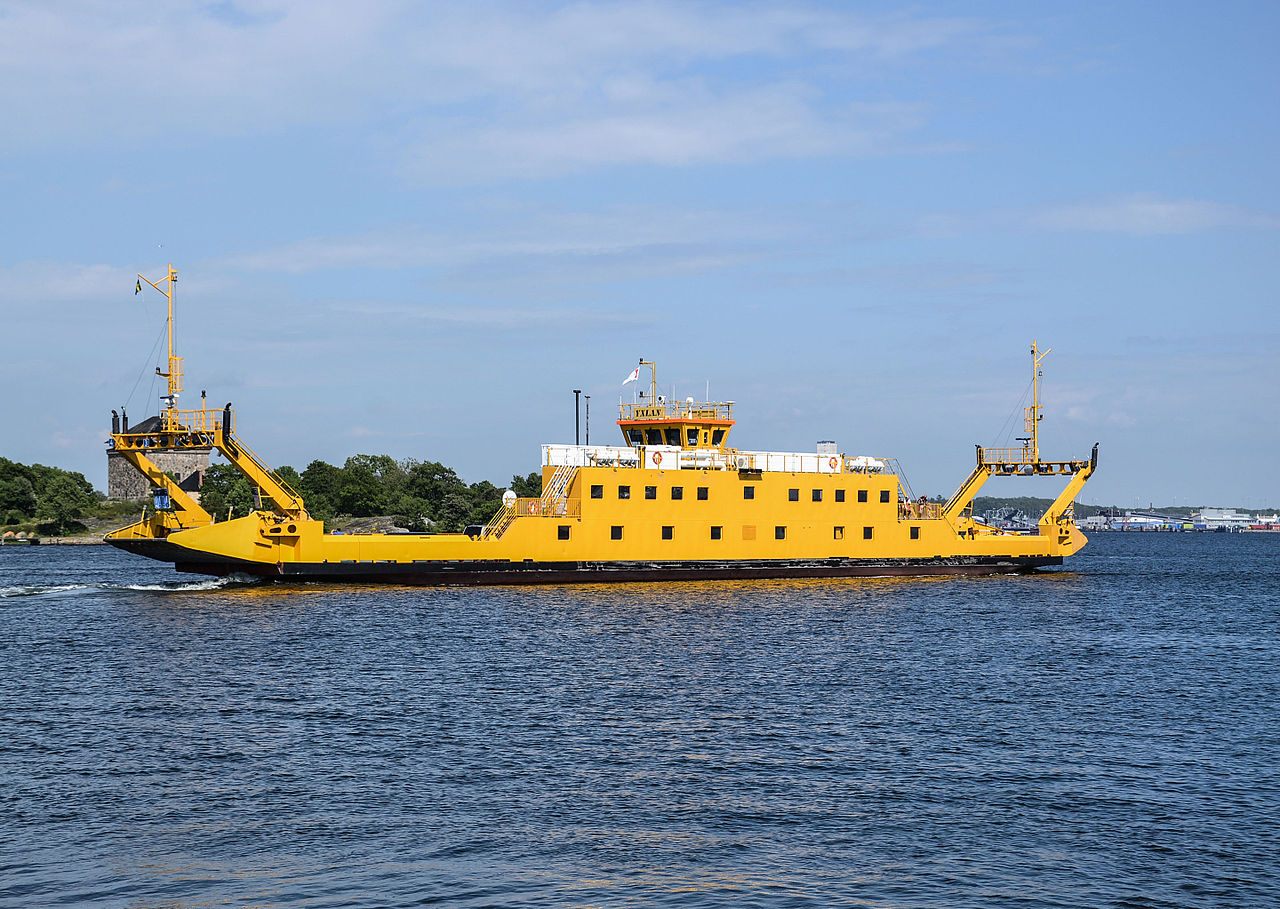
(834, 462)
(657, 458)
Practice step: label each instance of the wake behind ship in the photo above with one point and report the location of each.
(673, 502)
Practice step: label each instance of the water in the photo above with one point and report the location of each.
(1105, 736)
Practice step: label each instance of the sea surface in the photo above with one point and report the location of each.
(1103, 736)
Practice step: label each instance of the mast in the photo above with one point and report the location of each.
(1033, 415)
(174, 375)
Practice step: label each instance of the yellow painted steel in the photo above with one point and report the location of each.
(713, 512)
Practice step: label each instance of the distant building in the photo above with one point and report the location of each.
(126, 484)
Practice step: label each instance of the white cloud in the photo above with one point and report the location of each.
(1135, 214)
(575, 85)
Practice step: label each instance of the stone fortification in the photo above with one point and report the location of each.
(125, 483)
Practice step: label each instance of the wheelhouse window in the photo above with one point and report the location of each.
(717, 436)
(673, 436)
(652, 437)
(692, 436)
(635, 436)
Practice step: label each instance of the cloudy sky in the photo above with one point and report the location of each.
(413, 229)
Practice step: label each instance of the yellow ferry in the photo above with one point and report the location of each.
(674, 501)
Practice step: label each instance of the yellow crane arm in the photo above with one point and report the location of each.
(186, 511)
(258, 473)
(968, 489)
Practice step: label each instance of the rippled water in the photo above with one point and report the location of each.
(1105, 736)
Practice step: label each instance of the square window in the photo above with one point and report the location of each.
(702, 493)
(651, 492)
(748, 492)
(615, 532)
(677, 492)
(667, 531)
(866, 533)
(793, 495)
(715, 532)
(839, 533)
(779, 533)
(862, 495)
(915, 533)
(839, 495)
(884, 495)
(692, 436)
(817, 495)
(562, 532)
(624, 492)
(597, 492)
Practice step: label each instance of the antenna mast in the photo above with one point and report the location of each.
(1033, 415)
(174, 375)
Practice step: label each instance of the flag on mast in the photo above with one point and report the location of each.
(138, 288)
(635, 374)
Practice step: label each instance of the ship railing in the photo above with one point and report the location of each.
(529, 508)
(559, 483)
(677, 410)
(1008, 456)
(919, 511)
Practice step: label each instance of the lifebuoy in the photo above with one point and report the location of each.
(657, 458)
(834, 462)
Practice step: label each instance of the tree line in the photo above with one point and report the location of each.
(50, 496)
(419, 495)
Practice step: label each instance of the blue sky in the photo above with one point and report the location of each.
(413, 229)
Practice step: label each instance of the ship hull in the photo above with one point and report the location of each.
(471, 573)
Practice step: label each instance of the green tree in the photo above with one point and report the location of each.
(528, 487)
(225, 490)
(64, 499)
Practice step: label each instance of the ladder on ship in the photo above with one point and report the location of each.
(554, 501)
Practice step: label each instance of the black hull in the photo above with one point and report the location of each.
(482, 573)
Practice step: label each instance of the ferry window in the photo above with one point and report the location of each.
(624, 492)
(667, 531)
(779, 533)
(862, 495)
(748, 492)
(651, 492)
(562, 532)
(704, 437)
(793, 495)
(866, 533)
(677, 492)
(615, 532)
(636, 436)
(915, 533)
(673, 436)
(817, 495)
(839, 533)
(717, 436)
(839, 495)
(692, 436)
(653, 437)
(715, 532)
(597, 492)
(884, 495)
(702, 493)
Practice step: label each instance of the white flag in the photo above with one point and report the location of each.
(635, 374)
